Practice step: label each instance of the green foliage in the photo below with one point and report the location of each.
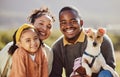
(117, 55)
(53, 37)
(116, 41)
(5, 37)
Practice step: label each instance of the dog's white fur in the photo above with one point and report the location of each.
(96, 37)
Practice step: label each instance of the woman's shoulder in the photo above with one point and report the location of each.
(6, 48)
(4, 56)
(46, 46)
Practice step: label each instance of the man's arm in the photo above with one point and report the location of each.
(108, 51)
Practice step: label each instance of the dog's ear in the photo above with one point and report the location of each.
(88, 31)
(101, 31)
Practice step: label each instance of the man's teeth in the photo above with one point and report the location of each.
(69, 31)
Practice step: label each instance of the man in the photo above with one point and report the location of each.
(72, 45)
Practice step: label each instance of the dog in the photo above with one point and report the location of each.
(92, 59)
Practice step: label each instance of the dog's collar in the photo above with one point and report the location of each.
(94, 57)
(91, 55)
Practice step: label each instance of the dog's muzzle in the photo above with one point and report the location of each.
(94, 44)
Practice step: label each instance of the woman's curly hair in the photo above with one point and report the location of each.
(40, 12)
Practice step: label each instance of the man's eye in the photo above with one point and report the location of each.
(62, 23)
(74, 22)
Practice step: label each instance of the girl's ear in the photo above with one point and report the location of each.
(88, 30)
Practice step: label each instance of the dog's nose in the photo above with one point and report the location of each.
(94, 44)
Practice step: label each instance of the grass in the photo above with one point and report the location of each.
(117, 55)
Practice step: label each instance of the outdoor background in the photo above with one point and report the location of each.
(95, 13)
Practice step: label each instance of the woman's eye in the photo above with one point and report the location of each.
(36, 38)
(63, 23)
(49, 26)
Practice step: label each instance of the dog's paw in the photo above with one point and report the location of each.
(76, 76)
(87, 76)
(80, 76)
(115, 74)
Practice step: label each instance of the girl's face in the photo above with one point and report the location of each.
(29, 40)
(43, 25)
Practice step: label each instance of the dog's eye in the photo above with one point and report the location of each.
(98, 36)
(91, 37)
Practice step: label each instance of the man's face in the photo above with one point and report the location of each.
(70, 24)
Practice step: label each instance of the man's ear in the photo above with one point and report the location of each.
(81, 23)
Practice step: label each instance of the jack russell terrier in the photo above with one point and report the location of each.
(92, 59)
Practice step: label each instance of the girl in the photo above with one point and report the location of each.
(42, 19)
(29, 59)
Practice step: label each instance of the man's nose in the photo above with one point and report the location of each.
(69, 24)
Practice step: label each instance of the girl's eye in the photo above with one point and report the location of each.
(36, 38)
(28, 40)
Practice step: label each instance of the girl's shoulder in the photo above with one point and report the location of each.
(20, 52)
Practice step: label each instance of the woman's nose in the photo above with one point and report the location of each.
(44, 28)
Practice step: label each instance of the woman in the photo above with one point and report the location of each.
(42, 19)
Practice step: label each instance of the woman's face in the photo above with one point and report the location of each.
(43, 24)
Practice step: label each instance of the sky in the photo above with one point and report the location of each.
(94, 12)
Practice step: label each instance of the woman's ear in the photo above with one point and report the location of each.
(81, 23)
